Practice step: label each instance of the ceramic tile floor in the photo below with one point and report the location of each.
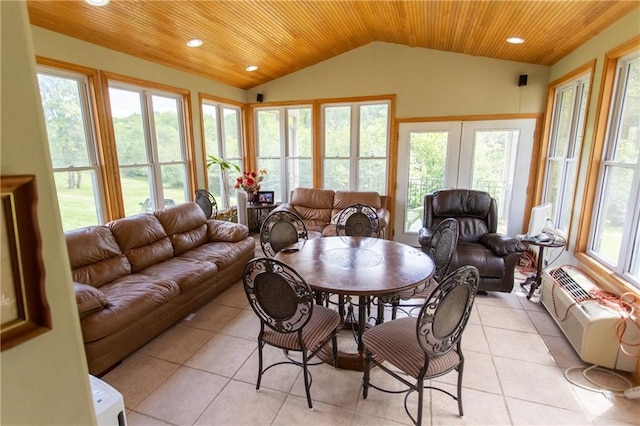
(203, 371)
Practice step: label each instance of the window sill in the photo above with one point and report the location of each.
(607, 278)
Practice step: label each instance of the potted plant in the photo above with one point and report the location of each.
(225, 166)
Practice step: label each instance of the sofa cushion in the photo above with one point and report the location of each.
(186, 226)
(95, 256)
(313, 204)
(222, 254)
(142, 239)
(128, 299)
(219, 230)
(89, 299)
(344, 199)
(187, 273)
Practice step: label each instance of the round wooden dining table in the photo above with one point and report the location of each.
(357, 266)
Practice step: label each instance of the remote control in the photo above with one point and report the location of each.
(632, 393)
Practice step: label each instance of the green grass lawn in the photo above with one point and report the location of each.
(78, 207)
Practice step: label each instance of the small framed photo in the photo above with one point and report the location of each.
(265, 197)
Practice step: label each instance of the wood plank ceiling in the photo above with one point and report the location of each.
(281, 37)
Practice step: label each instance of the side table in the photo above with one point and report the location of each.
(257, 213)
(536, 279)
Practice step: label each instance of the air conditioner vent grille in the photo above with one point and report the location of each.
(570, 285)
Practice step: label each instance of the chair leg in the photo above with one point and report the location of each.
(380, 318)
(334, 343)
(420, 401)
(341, 310)
(394, 310)
(260, 346)
(365, 377)
(307, 385)
(460, 368)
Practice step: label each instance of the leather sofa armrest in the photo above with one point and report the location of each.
(424, 237)
(502, 245)
(89, 299)
(383, 215)
(231, 232)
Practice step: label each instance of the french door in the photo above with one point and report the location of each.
(490, 156)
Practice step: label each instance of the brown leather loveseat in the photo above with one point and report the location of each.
(136, 276)
(320, 208)
(495, 255)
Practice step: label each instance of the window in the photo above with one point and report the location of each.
(355, 143)
(222, 125)
(565, 141)
(150, 140)
(284, 148)
(614, 238)
(72, 145)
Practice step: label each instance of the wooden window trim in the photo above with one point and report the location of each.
(605, 276)
(589, 67)
(111, 141)
(103, 152)
(203, 143)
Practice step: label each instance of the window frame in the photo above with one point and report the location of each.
(220, 104)
(187, 145)
(284, 142)
(580, 79)
(354, 136)
(607, 277)
(89, 92)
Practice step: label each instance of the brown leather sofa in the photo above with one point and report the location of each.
(495, 255)
(320, 208)
(136, 276)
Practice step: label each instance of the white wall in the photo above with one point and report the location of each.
(44, 380)
(428, 83)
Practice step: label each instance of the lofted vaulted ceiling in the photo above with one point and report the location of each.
(281, 37)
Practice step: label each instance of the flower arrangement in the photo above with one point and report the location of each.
(250, 181)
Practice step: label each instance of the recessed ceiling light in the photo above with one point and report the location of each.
(252, 68)
(97, 2)
(196, 42)
(515, 40)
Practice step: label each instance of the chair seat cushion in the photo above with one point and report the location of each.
(396, 342)
(322, 323)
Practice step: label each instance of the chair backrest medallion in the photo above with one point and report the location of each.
(445, 313)
(443, 243)
(207, 203)
(280, 297)
(279, 230)
(358, 220)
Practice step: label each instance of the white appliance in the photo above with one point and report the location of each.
(107, 403)
(589, 325)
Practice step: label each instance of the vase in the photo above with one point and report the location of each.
(251, 197)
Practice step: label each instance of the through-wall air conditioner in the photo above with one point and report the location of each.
(590, 326)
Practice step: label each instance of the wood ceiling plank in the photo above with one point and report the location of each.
(282, 36)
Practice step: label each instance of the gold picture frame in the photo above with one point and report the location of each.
(24, 311)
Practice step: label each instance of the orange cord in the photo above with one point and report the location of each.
(624, 308)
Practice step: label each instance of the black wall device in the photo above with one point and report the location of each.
(522, 80)
(260, 97)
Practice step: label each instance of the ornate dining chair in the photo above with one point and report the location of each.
(442, 245)
(279, 230)
(358, 220)
(426, 346)
(289, 318)
(207, 203)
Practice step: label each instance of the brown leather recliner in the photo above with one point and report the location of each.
(495, 255)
